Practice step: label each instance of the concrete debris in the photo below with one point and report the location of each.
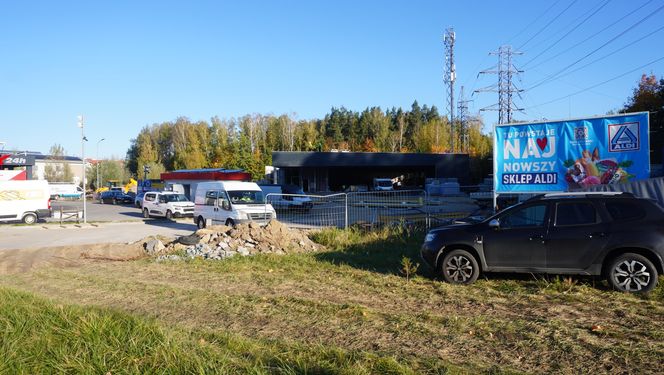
(220, 242)
(154, 247)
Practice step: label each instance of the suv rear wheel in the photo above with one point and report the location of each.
(146, 213)
(169, 215)
(460, 267)
(632, 273)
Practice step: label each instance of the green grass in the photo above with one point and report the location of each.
(38, 336)
(348, 309)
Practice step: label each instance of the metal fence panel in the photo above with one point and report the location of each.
(310, 211)
(370, 210)
(385, 208)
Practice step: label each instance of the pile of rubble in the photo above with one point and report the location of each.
(220, 242)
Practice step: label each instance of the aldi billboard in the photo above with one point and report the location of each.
(571, 154)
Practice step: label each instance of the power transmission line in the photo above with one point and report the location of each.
(534, 21)
(630, 44)
(462, 114)
(547, 25)
(567, 33)
(598, 84)
(505, 86)
(553, 76)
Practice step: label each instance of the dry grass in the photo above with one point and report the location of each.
(353, 297)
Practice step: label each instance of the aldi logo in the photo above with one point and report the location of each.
(624, 137)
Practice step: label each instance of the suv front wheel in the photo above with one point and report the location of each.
(460, 267)
(632, 273)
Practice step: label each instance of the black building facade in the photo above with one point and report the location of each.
(334, 171)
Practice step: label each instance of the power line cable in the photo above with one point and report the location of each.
(553, 76)
(532, 23)
(547, 25)
(599, 84)
(612, 24)
(630, 44)
(507, 42)
(567, 33)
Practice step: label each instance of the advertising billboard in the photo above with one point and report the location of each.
(571, 154)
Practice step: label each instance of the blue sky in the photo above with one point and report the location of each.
(127, 64)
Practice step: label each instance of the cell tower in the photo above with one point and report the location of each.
(449, 78)
(505, 87)
(462, 115)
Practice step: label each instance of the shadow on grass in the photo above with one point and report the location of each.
(381, 251)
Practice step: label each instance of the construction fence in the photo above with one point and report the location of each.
(369, 210)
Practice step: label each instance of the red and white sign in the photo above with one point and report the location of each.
(6, 175)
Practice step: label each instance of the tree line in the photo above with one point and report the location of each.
(247, 142)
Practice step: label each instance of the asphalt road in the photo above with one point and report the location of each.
(51, 235)
(100, 212)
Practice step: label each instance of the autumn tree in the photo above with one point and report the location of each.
(649, 96)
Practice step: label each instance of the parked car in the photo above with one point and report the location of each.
(613, 235)
(114, 197)
(167, 204)
(138, 200)
(382, 184)
(27, 201)
(287, 197)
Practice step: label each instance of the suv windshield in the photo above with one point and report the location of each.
(246, 197)
(175, 198)
(384, 183)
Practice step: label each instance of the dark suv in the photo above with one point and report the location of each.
(615, 235)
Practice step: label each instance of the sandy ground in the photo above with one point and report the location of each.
(23, 249)
(25, 260)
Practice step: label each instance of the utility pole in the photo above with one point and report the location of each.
(83, 139)
(449, 77)
(462, 114)
(505, 87)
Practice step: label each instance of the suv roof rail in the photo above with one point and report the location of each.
(586, 194)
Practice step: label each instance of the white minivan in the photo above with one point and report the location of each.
(230, 203)
(166, 204)
(27, 201)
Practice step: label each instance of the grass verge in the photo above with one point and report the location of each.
(297, 313)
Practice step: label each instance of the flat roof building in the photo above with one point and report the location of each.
(335, 171)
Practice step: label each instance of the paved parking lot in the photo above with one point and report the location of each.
(101, 212)
(37, 236)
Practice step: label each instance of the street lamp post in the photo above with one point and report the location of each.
(83, 139)
(98, 180)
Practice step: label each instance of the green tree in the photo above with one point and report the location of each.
(57, 169)
(649, 96)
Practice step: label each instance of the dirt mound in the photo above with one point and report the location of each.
(26, 260)
(220, 241)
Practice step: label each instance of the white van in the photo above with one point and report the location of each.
(59, 190)
(230, 203)
(27, 201)
(287, 197)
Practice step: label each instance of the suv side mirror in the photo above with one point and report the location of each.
(495, 224)
(226, 205)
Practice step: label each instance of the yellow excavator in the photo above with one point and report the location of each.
(128, 187)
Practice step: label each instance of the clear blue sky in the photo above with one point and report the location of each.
(127, 64)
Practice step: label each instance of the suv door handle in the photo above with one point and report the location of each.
(596, 234)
